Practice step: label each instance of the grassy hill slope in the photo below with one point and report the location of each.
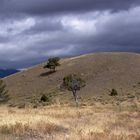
(101, 71)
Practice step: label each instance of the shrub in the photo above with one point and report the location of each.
(22, 105)
(35, 106)
(113, 92)
(45, 98)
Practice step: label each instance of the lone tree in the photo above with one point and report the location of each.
(3, 92)
(73, 83)
(52, 63)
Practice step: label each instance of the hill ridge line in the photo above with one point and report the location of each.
(72, 58)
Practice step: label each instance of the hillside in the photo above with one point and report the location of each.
(101, 71)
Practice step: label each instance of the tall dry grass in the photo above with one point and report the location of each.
(69, 123)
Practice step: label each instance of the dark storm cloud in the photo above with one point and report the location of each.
(50, 6)
(120, 32)
(33, 30)
(3, 39)
(45, 25)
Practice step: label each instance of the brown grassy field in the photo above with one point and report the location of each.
(99, 115)
(98, 122)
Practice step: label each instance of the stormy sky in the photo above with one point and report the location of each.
(33, 30)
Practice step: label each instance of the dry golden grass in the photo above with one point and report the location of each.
(69, 123)
(103, 117)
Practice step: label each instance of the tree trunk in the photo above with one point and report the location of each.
(53, 69)
(75, 97)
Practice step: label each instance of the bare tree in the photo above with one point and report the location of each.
(73, 83)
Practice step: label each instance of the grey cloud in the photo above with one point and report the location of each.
(48, 24)
(35, 30)
(4, 39)
(38, 7)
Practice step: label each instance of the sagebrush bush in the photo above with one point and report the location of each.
(45, 98)
(113, 92)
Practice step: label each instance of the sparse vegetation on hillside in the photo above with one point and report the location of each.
(3, 92)
(73, 83)
(52, 64)
(101, 71)
(99, 116)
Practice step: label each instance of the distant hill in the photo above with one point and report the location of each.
(7, 72)
(101, 71)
